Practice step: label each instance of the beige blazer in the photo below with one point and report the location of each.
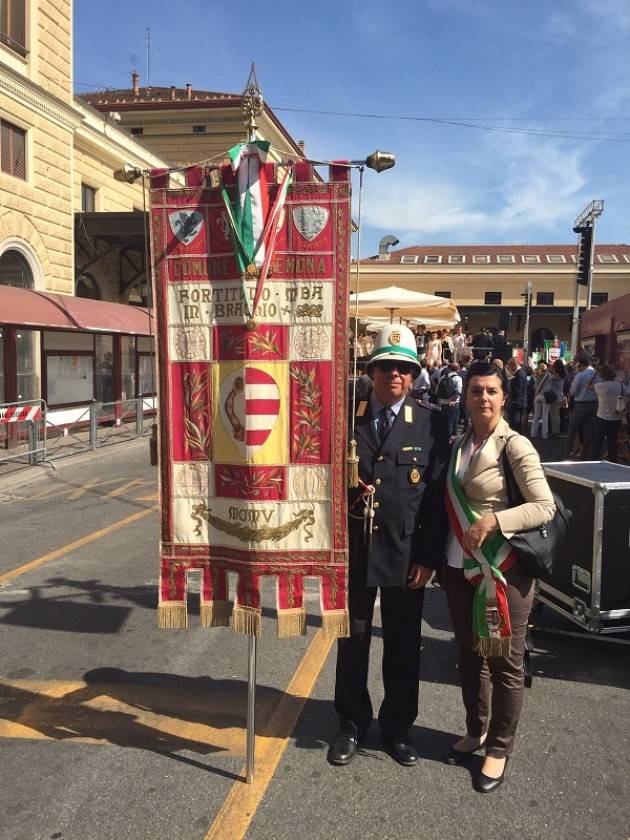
(484, 482)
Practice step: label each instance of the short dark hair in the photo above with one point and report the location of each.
(559, 368)
(481, 368)
(607, 372)
(581, 360)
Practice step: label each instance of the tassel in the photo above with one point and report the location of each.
(336, 624)
(352, 460)
(172, 616)
(491, 647)
(246, 620)
(215, 614)
(291, 623)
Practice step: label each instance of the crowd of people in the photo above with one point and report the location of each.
(582, 400)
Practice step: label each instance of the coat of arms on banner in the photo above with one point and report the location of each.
(251, 286)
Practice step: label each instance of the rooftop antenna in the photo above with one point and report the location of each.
(148, 40)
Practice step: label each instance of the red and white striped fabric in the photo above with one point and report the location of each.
(262, 404)
(20, 413)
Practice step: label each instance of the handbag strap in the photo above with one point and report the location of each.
(513, 491)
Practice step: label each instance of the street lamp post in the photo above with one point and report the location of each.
(527, 294)
(585, 226)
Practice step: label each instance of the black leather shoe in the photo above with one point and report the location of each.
(486, 784)
(343, 749)
(459, 756)
(403, 752)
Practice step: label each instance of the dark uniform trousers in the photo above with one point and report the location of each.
(401, 620)
(496, 712)
(407, 470)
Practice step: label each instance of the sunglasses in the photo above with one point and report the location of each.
(389, 366)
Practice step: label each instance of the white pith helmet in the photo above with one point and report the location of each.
(397, 343)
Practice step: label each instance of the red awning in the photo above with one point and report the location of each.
(28, 308)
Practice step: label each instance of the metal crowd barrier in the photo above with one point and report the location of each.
(22, 431)
(33, 432)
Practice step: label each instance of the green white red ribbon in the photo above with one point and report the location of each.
(483, 568)
(254, 228)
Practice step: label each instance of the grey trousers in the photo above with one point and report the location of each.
(492, 687)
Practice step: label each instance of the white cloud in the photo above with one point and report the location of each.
(536, 184)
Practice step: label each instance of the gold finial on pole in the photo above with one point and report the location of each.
(253, 103)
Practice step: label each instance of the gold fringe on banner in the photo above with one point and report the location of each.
(491, 647)
(173, 616)
(291, 623)
(215, 614)
(336, 624)
(246, 620)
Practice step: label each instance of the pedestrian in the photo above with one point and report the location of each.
(403, 452)
(448, 348)
(449, 391)
(421, 341)
(489, 595)
(611, 396)
(554, 396)
(517, 407)
(540, 417)
(421, 385)
(459, 344)
(500, 347)
(434, 350)
(583, 409)
(482, 345)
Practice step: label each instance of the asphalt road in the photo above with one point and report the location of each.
(111, 728)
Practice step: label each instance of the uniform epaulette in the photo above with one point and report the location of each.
(429, 406)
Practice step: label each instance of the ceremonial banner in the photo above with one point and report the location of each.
(251, 283)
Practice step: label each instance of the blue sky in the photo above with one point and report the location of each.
(545, 67)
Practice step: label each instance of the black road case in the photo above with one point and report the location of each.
(591, 578)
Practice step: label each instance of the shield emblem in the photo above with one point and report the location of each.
(249, 407)
(186, 224)
(310, 221)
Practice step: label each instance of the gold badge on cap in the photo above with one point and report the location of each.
(394, 337)
(414, 475)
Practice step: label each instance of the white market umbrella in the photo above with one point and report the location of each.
(394, 301)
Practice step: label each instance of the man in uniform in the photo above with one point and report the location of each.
(403, 455)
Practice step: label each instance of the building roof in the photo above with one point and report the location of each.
(176, 99)
(435, 255)
(150, 97)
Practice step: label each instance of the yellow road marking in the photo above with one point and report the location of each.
(152, 497)
(66, 549)
(127, 713)
(237, 812)
(135, 482)
(90, 485)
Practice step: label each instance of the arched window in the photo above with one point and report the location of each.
(15, 270)
(539, 337)
(87, 288)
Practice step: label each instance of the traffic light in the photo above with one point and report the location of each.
(584, 253)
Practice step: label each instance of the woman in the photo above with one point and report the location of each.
(434, 350)
(607, 421)
(448, 348)
(490, 621)
(555, 386)
(547, 400)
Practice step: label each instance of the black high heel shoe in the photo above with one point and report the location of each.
(456, 757)
(486, 784)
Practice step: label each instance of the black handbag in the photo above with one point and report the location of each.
(536, 547)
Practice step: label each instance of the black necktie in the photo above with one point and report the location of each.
(385, 419)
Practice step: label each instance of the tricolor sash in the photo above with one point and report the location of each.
(484, 569)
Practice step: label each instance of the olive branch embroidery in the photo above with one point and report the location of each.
(252, 486)
(265, 342)
(305, 440)
(196, 420)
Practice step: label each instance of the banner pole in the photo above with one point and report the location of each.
(251, 706)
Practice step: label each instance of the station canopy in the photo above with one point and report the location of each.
(45, 310)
